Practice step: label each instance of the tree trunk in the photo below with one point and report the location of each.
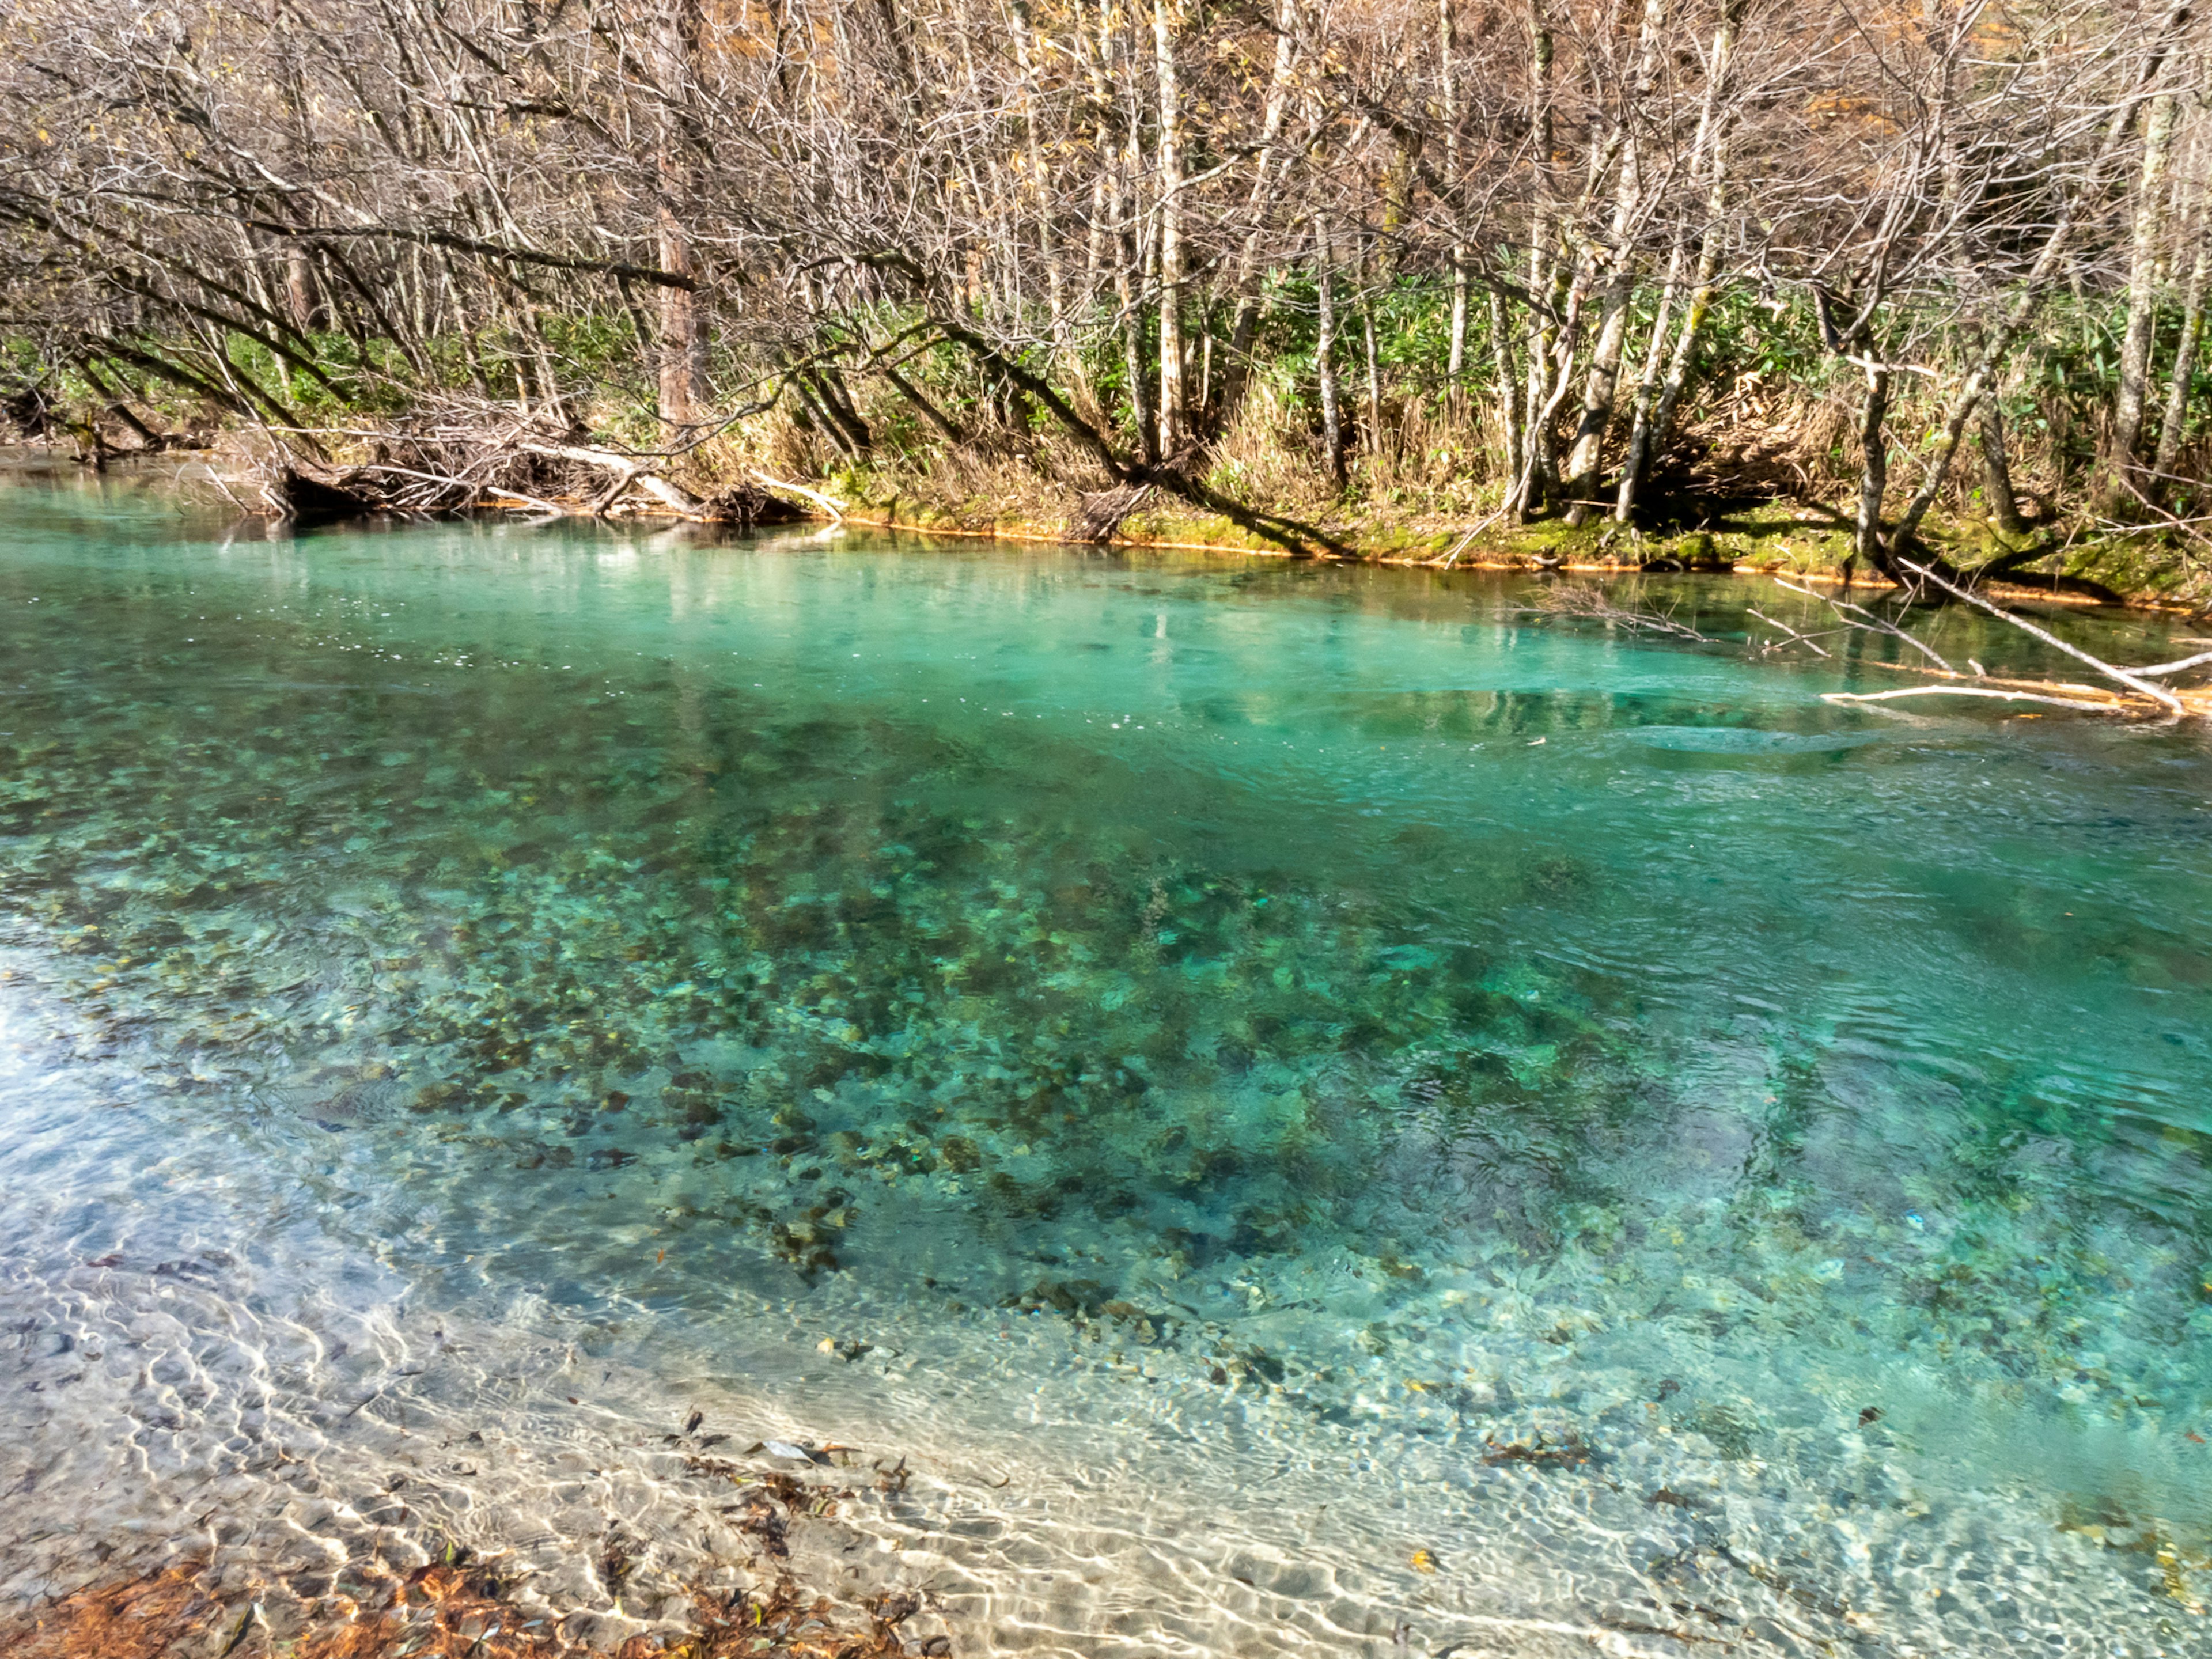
(1638, 454)
(1236, 372)
(1374, 445)
(1331, 414)
(119, 407)
(550, 398)
(1455, 366)
(830, 387)
(1540, 467)
(1551, 379)
(1130, 282)
(300, 287)
(1373, 434)
(816, 416)
(1603, 378)
(2191, 344)
(683, 331)
(1655, 419)
(2144, 248)
(1119, 164)
(1039, 182)
(2134, 396)
(1603, 381)
(1997, 472)
(937, 417)
(1874, 469)
(1174, 414)
(1509, 400)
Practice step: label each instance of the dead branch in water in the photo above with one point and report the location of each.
(2137, 681)
(1858, 616)
(1589, 600)
(2141, 687)
(1807, 640)
(2162, 669)
(2113, 706)
(827, 503)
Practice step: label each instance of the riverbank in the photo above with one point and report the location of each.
(1768, 534)
(1773, 536)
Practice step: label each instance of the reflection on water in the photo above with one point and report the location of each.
(1300, 1066)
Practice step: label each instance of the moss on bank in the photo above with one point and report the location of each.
(1782, 537)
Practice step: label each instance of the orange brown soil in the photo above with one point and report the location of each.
(441, 1611)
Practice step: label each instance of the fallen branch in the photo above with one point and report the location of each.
(1586, 599)
(475, 490)
(1873, 624)
(1796, 638)
(627, 472)
(668, 494)
(537, 502)
(2165, 668)
(2157, 694)
(835, 511)
(2115, 707)
(1447, 561)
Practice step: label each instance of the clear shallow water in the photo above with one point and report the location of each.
(1285, 1067)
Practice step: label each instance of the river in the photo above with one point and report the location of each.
(1315, 1108)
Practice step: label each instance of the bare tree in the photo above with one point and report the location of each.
(1070, 234)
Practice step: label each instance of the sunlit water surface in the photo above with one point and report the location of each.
(1317, 1109)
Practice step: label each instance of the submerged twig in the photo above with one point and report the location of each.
(1587, 599)
(1796, 638)
(216, 478)
(1872, 624)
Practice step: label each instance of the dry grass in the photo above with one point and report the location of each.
(1750, 439)
(1266, 459)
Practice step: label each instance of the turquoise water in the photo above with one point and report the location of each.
(1499, 1066)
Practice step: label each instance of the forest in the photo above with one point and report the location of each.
(1933, 273)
